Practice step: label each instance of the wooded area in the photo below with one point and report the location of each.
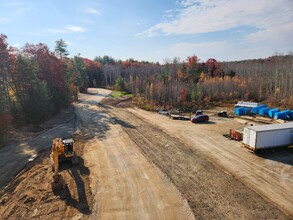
(192, 83)
(36, 82)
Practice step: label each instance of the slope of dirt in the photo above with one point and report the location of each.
(15, 155)
(30, 195)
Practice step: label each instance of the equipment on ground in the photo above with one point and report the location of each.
(62, 149)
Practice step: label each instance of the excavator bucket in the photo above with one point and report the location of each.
(58, 183)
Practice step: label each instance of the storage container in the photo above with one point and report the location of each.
(268, 136)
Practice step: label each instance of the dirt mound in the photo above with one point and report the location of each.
(30, 195)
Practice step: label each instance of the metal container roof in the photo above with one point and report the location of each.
(260, 128)
(246, 104)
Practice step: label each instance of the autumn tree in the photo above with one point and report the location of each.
(31, 93)
(51, 71)
(94, 72)
(213, 67)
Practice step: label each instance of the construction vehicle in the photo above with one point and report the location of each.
(62, 150)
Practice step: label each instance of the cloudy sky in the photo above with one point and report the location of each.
(153, 30)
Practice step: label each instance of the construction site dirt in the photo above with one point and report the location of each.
(135, 164)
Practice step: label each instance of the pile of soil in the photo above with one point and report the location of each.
(30, 195)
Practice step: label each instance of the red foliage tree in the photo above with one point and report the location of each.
(93, 69)
(183, 95)
(213, 67)
(50, 67)
(192, 62)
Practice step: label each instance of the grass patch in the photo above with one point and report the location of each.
(119, 94)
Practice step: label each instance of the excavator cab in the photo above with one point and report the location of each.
(68, 147)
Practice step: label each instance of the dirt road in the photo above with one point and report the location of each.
(140, 165)
(125, 185)
(112, 181)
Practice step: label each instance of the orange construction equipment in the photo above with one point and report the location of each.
(62, 149)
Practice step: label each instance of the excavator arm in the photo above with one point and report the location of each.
(58, 182)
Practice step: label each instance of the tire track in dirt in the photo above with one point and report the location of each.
(269, 175)
(211, 193)
(125, 184)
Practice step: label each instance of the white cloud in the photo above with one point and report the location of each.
(67, 29)
(204, 16)
(69, 43)
(92, 11)
(56, 31)
(205, 50)
(189, 2)
(169, 11)
(2, 20)
(75, 28)
(16, 45)
(278, 34)
(87, 21)
(151, 32)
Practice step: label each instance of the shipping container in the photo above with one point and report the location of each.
(236, 134)
(268, 136)
(257, 108)
(264, 111)
(272, 112)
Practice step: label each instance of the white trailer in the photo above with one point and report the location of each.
(262, 137)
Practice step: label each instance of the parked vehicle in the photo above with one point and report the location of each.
(199, 112)
(222, 114)
(200, 118)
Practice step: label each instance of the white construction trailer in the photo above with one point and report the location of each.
(261, 137)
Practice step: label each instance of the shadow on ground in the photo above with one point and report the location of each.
(76, 172)
(283, 155)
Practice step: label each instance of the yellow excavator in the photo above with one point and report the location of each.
(62, 150)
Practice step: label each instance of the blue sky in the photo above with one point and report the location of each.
(153, 30)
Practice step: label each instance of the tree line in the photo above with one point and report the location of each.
(36, 83)
(191, 83)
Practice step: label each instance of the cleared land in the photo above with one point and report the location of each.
(140, 165)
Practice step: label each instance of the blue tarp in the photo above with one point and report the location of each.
(257, 108)
(264, 111)
(282, 115)
(239, 111)
(291, 115)
(247, 111)
(242, 111)
(272, 112)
